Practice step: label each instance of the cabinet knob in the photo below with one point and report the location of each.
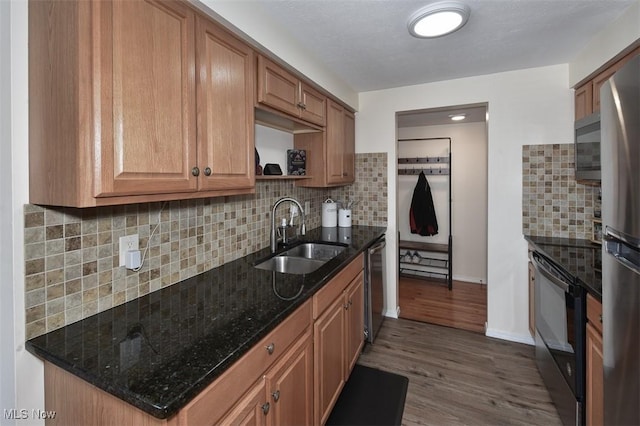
(600, 318)
(265, 408)
(346, 306)
(276, 395)
(207, 171)
(301, 105)
(195, 171)
(271, 348)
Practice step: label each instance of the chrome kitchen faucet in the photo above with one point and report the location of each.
(274, 238)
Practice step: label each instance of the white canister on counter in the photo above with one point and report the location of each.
(344, 218)
(329, 213)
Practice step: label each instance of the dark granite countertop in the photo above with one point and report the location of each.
(580, 258)
(159, 351)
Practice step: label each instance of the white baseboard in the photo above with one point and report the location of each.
(472, 280)
(512, 337)
(393, 314)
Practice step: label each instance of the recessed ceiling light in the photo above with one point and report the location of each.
(438, 19)
(457, 117)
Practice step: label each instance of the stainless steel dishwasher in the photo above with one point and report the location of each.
(374, 288)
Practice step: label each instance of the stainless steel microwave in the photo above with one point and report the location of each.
(587, 147)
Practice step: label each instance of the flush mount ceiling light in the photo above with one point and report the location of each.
(457, 117)
(438, 19)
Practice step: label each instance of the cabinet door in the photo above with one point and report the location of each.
(355, 322)
(277, 87)
(225, 109)
(595, 377)
(584, 100)
(314, 105)
(252, 409)
(290, 385)
(335, 142)
(329, 359)
(145, 118)
(349, 148)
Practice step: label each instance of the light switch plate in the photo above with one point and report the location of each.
(129, 242)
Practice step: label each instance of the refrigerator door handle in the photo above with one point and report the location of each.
(625, 254)
(617, 235)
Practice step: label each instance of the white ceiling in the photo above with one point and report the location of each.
(366, 42)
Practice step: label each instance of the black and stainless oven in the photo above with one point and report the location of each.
(560, 317)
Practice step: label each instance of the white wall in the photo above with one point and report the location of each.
(27, 370)
(7, 357)
(606, 45)
(533, 106)
(272, 146)
(469, 193)
(273, 38)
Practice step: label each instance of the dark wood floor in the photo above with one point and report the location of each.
(459, 377)
(464, 307)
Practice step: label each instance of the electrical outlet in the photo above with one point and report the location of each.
(130, 242)
(307, 207)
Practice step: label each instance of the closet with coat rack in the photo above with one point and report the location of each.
(422, 259)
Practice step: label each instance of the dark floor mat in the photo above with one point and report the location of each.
(370, 397)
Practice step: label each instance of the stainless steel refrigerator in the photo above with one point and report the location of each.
(620, 150)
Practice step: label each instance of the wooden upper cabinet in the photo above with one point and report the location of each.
(587, 96)
(145, 52)
(283, 91)
(225, 88)
(340, 134)
(330, 154)
(349, 149)
(584, 100)
(335, 142)
(113, 112)
(312, 105)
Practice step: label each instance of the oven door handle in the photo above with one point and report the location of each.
(543, 269)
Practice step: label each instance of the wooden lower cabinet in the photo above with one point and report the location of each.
(595, 364)
(355, 321)
(329, 340)
(338, 340)
(290, 385)
(252, 409)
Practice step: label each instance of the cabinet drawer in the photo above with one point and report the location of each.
(594, 312)
(212, 403)
(327, 294)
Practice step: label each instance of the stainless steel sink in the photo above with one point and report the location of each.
(316, 251)
(302, 259)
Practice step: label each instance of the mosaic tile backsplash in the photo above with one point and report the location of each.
(71, 255)
(554, 204)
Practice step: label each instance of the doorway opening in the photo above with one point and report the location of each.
(443, 275)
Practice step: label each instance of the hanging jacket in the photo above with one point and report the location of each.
(422, 215)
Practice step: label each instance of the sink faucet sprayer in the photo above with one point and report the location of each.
(274, 239)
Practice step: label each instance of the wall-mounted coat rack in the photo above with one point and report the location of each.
(427, 266)
(424, 160)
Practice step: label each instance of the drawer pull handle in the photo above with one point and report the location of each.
(265, 408)
(276, 395)
(271, 348)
